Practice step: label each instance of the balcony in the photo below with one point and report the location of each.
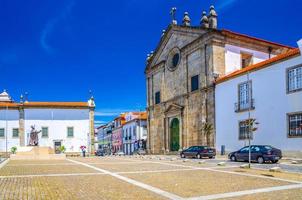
(241, 107)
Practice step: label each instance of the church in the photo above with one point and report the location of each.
(46, 124)
(180, 78)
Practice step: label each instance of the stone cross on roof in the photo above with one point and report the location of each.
(173, 13)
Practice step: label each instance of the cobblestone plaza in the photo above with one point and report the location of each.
(147, 177)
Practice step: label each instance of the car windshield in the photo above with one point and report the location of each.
(268, 147)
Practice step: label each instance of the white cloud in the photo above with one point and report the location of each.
(100, 122)
(50, 25)
(110, 112)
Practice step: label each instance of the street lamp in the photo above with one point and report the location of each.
(6, 127)
(249, 116)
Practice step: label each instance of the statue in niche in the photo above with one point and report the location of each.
(33, 137)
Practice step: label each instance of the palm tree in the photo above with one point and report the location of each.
(208, 128)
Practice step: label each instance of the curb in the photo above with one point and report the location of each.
(4, 163)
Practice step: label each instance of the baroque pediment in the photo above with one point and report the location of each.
(174, 108)
(176, 36)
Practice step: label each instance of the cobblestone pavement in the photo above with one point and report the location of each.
(284, 165)
(143, 177)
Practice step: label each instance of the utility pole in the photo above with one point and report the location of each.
(249, 115)
(139, 129)
(6, 127)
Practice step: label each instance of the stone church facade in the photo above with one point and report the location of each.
(180, 79)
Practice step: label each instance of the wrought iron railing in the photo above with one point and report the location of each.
(240, 106)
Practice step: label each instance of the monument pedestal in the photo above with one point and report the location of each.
(37, 153)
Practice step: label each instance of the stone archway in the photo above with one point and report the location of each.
(174, 134)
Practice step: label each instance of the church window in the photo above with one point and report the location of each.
(157, 97)
(194, 83)
(15, 132)
(173, 59)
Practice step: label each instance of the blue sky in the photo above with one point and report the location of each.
(58, 50)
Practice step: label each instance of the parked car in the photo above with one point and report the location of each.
(198, 152)
(99, 152)
(259, 153)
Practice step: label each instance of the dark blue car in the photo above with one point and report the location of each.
(198, 152)
(259, 153)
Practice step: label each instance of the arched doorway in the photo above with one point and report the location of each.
(174, 135)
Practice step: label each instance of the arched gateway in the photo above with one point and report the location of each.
(174, 135)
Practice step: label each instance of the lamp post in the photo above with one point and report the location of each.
(249, 116)
(6, 127)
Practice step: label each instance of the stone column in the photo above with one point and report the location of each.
(21, 126)
(180, 132)
(91, 129)
(91, 106)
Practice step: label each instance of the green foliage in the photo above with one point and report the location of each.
(62, 149)
(252, 123)
(13, 150)
(207, 129)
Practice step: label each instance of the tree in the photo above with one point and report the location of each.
(208, 128)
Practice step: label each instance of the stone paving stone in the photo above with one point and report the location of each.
(9, 170)
(283, 175)
(102, 159)
(137, 167)
(201, 182)
(71, 188)
(294, 194)
(25, 162)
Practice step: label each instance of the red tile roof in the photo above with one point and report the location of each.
(232, 33)
(56, 104)
(46, 105)
(8, 105)
(263, 64)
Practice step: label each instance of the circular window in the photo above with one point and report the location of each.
(173, 59)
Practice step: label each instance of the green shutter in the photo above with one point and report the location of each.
(15, 132)
(70, 131)
(44, 131)
(2, 132)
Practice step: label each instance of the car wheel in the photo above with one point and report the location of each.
(275, 161)
(182, 155)
(211, 157)
(260, 160)
(233, 158)
(198, 156)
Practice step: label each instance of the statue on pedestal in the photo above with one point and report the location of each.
(33, 137)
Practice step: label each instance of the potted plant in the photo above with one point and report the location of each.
(13, 150)
(62, 149)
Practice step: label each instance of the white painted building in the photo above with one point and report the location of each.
(272, 92)
(134, 132)
(59, 123)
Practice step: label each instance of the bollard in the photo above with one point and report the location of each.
(222, 152)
